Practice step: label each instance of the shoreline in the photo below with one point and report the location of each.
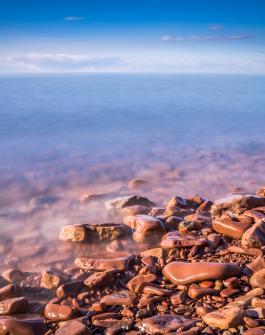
(194, 266)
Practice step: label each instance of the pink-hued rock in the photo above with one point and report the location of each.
(28, 324)
(176, 239)
(183, 273)
(254, 236)
(228, 227)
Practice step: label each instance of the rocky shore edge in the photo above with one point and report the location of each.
(201, 270)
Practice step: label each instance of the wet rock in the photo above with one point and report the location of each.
(73, 327)
(182, 273)
(178, 298)
(14, 306)
(254, 236)
(56, 312)
(22, 325)
(120, 298)
(94, 232)
(146, 228)
(235, 203)
(163, 324)
(120, 264)
(9, 291)
(255, 331)
(152, 289)
(100, 279)
(70, 289)
(127, 201)
(228, 227)
(138, 282)
(120, 326)
(135, 210)
(258, 279)
(179, 240)
(195, 292)
(50, 280)
(106, 320)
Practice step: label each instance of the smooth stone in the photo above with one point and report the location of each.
(93, 232)
(226, 226)
(146, 228)
(182, 273)
(131, 200)
(181, 240)
(195, 292)
(70, 289)
(135, 210)
(163, 324)
(254, 237)
(255, 331)
(178, 298)
(103, 264)
(100, 279)
(14, 306)
(138, 282)
(56, 312)
(235, 203)
(258, 279)
(258, 303)
(119, 298)
(73, 327)
(9, 291)
(28, 324)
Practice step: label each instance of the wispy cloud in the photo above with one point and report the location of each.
(169, 38)
(74, 18)
(215, 26)
(61, 62)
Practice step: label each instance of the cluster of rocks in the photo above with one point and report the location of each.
(198, 268)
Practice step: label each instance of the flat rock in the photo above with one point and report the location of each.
(103, 264)
(139, 281)
(183, 273)
(70, 289)
(146, 228)
(120, 298)
(176, 239)
(228, 227)
(235, 203)
(100, 279)
(258, 279)
(131, 200)
(94, 232)
(55, 312)
(255, 331)
(163, 324)
(29, 324)
(9, 291)
(254, 237)
(73, 327)
(14, 306)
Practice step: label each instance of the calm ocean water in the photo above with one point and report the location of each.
(87, 119)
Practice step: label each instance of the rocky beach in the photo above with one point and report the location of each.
(192, 266)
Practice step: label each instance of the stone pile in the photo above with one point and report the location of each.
(198, 267)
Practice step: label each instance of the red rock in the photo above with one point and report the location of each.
(258, 279)
(255, 331)
(73, 327)
(178, 298)
(179, 240)
(122, 298)
(70, 289)
(9, 291)
(195, 292)
(14, 306)
(104, 264)
(182, 273)
(146, 228)
(138, 282)
(100, 279)
(22, 325)
(56, 312)
(255, 236)
(226, 226)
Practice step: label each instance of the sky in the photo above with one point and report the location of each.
(132, 36)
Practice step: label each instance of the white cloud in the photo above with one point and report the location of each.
(190, 38)
(74, 18)
(215, 26)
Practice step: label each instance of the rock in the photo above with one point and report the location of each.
(56, 312)
(156, 252)
(9, 291)
(22, 325)
(179, 240)
(138, 282)
(106, 320)
(254, 236)
(100, 279)
(127, 201)
(120, 326)
(14, 306)
(258, 303)
(178, 298)
(14, 276)
(102, 264)
(258, 279)
(226, 226)
(94, 232)
(70, 289)
(73, 327)
(182, 273)
(135, 210)
(255, 331)
(163, 324)
(195, 292)
(232, 314)
(119, 298)
(146, 228)
(235, 203)
(136, 183)
(156, 290)
(50, 280)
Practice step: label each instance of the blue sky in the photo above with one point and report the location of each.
(171, 36)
